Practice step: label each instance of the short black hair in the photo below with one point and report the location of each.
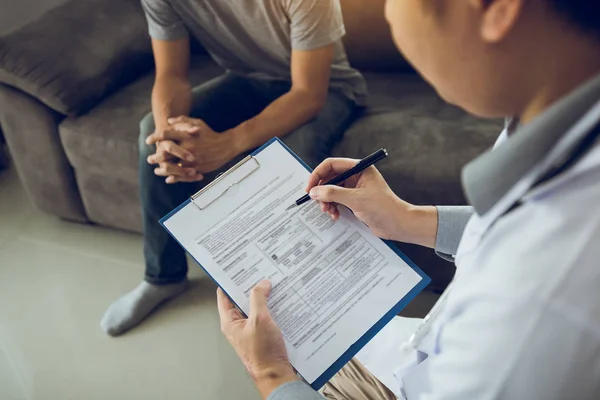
(585, 14)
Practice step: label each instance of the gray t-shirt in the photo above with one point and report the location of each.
(255, 38)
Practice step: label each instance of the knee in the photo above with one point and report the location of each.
(309, 144)
(146, 129)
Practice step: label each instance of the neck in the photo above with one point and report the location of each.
(563, 71)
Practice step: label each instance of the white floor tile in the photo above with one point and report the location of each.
(51, 346)
(86, 239)
(4, 239)
(19, 218)
(15, 208)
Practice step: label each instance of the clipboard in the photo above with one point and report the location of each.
(226, 183)
(221, 186)
(227, 180)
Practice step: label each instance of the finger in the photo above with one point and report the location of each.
(329, 207)
(175, 179)
(167, 134)
(328, 169)
(161, 155)
(332, 209)
(179, 170)
(172, 169)
(336, 214)
(167, 151)
(177, 151)
(334, 194)
(156, 158)
(324, 206)
(176, 120)
(228, 313)
(258, 300)
(186, 127)
(185, 119)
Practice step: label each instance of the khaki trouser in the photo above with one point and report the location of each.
(355, 382)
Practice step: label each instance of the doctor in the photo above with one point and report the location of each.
(522, 318)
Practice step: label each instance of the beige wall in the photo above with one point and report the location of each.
(369, 42)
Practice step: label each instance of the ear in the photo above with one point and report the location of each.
(499, 17)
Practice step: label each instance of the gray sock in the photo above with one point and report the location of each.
(132, 308)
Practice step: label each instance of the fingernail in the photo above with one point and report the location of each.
(170, 120)
(314, 194)
(191, 173)
(147, 140)
(189, 157)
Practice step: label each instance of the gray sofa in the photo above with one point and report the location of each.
(3, 155)
(75, 83)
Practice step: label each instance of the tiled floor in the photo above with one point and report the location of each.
(56, 281)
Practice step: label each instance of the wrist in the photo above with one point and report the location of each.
(419, 225)
(426, 221)
(270, 378)
(161, 124)
(239, 139)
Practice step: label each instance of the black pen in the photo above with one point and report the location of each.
(358, 168)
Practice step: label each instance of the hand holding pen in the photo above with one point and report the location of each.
(339, 176)
(372, 201)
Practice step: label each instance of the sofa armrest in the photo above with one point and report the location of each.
(3, 157)
(77, 53)
(31, 132)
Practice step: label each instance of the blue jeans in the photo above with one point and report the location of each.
(224, 103)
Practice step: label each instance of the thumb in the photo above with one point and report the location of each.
(333, 194)
(258, 299)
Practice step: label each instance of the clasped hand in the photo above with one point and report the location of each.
(188, 148)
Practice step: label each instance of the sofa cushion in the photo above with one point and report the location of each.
(428, 140)
(77, 53)
(105, 140)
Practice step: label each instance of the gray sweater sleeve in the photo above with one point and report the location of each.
(452, 221)
(295, 391)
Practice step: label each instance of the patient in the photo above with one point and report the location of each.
(287, 76)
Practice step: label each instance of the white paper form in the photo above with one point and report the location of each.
(332, 281)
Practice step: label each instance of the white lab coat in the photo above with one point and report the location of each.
(521, 319)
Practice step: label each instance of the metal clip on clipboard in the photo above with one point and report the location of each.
(224, 182)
